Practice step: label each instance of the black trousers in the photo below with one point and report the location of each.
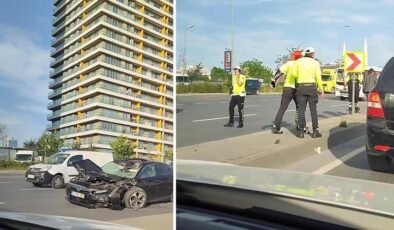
(356, 92)
(307, 94)
(239, 101)
(288, 95)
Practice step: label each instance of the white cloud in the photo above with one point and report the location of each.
(361, 18)
(380, 49)
(280, 20)
(24, 64)
(24, 70)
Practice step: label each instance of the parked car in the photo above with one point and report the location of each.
(252, 86)
(380, 121)
(58, 170)
(123, 183)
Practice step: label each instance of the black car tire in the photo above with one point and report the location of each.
(342, 98)
(57, 182)
(379, 163)
(36, 185)
(135, 198)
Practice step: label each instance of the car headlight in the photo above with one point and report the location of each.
(46, 168)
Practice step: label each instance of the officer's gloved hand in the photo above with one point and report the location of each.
(273, 83)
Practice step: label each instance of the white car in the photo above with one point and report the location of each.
(343, 94)
(59, 169)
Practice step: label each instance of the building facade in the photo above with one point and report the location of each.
(113, 74)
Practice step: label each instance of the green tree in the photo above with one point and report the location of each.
(49, 144)
(3, 133)
(255, 69)
(283, 58)
(195, 73)
(169, 155)
(122, 148)
(76, 145)
(30, 144)
(218, 74)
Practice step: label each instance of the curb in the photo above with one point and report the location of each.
(285, 158)
(264, 149)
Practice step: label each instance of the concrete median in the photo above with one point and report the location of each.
(264, 149)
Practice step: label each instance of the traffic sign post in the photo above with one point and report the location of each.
(354, 62)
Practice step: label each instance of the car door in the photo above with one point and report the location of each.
(70, 169)
(164, 174)
(150, 182)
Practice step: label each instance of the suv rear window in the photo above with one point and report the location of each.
(386, 79)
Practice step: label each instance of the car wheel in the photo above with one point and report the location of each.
(379, 163)
(342, 98)
(135, 198)
(57, 182)
(36, 185)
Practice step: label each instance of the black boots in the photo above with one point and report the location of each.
(276, 130)
(316, 133)
(230, 124)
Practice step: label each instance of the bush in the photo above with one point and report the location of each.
(202, 87)
(6, 164)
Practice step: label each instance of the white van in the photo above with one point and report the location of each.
(59, 169)
(25, 156)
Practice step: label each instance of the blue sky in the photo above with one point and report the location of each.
(25, 35)
(265, 28)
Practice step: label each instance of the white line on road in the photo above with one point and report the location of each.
(33, 189)
(4, 182)
(246, 106)
(224, 102)
(180, 104)
(219, 118)
(341, 105)
(1, 202)
(203, 103)
(339, 161)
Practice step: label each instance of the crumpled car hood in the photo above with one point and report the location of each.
(90, 171)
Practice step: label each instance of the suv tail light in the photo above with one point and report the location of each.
(375, 108)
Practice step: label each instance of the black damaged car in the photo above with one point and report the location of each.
(123, 183)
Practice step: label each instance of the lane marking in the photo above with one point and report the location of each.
(180, 104)
(246, 106)
(224, 102)
(1, 202)
(341, 105)
(34, 189)
(4, 182)
(219, 118)
(339, 161)
(203, 103)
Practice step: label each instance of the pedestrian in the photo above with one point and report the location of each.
(370, 80)
(237, 97)
(308, 77)
(349, 84)
(288, 93)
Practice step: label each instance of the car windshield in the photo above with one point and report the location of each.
(23, 157)
(326, 77)
(252, 83)
(57, 159)
(116, 169)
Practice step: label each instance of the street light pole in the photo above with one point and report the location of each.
(184, 49)
(232, 35)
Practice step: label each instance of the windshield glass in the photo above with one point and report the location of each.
(252, 83)
(23, 157)
(326, 77)
(115, 169)
(57, 159)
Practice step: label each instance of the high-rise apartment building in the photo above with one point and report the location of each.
(113, 74)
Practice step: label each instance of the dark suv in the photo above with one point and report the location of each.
(253, 86)
(380, 121)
